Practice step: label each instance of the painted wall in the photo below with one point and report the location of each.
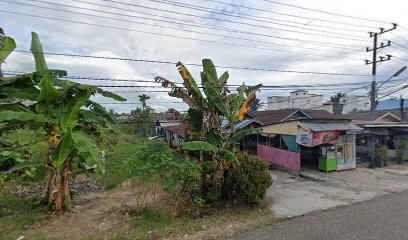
(280, 158)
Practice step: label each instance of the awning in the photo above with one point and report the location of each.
(319, 127)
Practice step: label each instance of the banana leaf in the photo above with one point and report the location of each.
(243, 133)
(215, 98)
(88, 150)
(37, 51)
(7, 46)
(63, 150)
(7, 116)
(70, 110)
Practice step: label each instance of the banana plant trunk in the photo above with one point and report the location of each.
(58, 189)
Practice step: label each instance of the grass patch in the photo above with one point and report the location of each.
(219, 221)
(17, 213)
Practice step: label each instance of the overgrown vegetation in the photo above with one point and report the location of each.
(50, 131)
(43, 102)
(207, 141)
(17, 214)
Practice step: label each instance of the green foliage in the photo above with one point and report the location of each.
(250, 180)
(156, 161)
(141, 121)
(401, 146)
(16, 213)
(152, 219)
(381, 153)
(88, 151)
(7, 45)
(23, 151)
(120, 149)
(199, 145)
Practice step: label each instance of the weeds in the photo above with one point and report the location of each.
(17, 214)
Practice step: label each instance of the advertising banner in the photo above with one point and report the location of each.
(308, 138)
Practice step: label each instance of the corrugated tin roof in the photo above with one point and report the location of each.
(169, 124)
(318, 127)
(390, 104)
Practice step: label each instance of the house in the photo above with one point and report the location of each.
(386, 126)
(162, 121)
(294, 139)
(297, 99)
(352, 103)
(174, 135)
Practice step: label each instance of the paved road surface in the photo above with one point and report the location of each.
(382, 218)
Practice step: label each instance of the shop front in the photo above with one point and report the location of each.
(327, 146)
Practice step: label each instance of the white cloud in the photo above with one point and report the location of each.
(75, 38)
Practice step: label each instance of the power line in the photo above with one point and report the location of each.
(327, 12)
(398, 36)
(308, 18)
(321, 43)
(243, 16)
(293, 86)
(206, 17)
(162, 34)
(162, 26)
(311, 24)
(200, 8)
(198, 65)
(402, 59)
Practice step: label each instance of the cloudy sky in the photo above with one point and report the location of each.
(257, 34)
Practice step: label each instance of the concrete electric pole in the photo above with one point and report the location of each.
(373, 91)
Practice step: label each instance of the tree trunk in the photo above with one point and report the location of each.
(58, 188)
(50, 179)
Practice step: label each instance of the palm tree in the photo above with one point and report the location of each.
(143, 98)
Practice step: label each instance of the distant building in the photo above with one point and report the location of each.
(352, 103)
(298, 99)
(162, 121)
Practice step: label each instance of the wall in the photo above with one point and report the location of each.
(279, 158)
(278, 102)
(297, 99)
(287, 128)
(352, 102)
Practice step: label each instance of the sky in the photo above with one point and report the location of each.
(257, 34)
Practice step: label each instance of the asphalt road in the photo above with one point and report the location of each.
(382, 218)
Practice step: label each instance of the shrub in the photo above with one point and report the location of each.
(401, 146)
(156, 161)
(250, 180)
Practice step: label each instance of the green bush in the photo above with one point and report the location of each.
(401, 146)
(250, 180)
(156, 161)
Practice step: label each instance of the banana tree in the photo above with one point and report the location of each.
(7, 45)
(208, 109)
(56, 105)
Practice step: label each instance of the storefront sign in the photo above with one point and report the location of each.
(308, 138)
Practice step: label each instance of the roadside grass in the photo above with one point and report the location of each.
(19, 213)
(218, 221)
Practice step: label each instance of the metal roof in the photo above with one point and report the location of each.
(390, 104)
(169, 124)
(318, 127)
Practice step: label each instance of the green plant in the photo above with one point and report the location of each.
(55, 105)
(23, 147)
(250, 180)
(401, 146)
(156, 161)
(207, 110)
(16, 213)
(382, 155)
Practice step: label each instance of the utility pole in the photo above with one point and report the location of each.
(373, 91)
